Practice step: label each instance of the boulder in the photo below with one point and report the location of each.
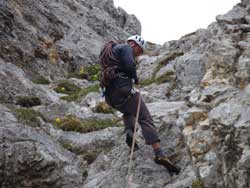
(31, 158)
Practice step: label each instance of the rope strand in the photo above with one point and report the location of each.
(133, 143)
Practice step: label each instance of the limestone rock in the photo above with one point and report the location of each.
(154, 92)
(110, 170)
(200, 109)
(62, 109)
(51, 37)
(31, 158)
(14, 83)
(147, 66)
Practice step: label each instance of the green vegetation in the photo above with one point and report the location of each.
(81, 93)
(71, 123)
(198, 184)
(28, 101)
(67, 87)
(147, 82)
(152, 80)
(103, 107)
(41, 80)
(165, 77)
(161, 63)
(85, 174)
(157, 69)
(89, 72)
(28, 116)
(67, 146)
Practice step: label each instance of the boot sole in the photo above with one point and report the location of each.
(167, 164)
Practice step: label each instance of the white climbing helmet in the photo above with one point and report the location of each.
(139, 40)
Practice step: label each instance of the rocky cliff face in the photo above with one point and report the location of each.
(46, 37)
(197, 89)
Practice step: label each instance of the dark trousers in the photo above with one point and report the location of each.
(129, 110)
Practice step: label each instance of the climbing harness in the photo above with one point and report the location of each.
(129, 177)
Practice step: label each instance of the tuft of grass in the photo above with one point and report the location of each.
(71, 123)
(147, 82)
(103, 107)
(198, 183)
(41, 80)
(28, 101)
(28, 116)
(157, 69)
(81, 93)
(89, 72)
(67, 146)
(161, 63)
(67, 87)
(165, 77)
(152, 80)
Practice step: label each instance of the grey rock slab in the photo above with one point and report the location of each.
(234, 16)
(147, 65)
(91, 100)
(6, 116)
(160, 109)
(96, 141)
(163, 111)
(154, 92)
(14, 83)
(190, 68)
(31, 158)
(233, 112)
(62, 109)
(110, 170)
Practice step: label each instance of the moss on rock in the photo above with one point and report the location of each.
(103, 107)
(41, 80)
(71, 123)
(168, 76)
(28, 116)
(90, 72)
(67, 87)
(81, 93)
(67, 146)
(28, 101)
(198, 183)
(147, 82)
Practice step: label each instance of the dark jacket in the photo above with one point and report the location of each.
(120, 87)
(124, 54)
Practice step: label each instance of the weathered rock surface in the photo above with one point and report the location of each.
(199, 100)
(14, 83)
(47, 37)
(110, 170)
(62, 108)
(30, 158)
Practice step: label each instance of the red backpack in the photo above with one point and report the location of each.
(108, 64)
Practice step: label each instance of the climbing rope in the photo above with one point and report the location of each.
(133, 142)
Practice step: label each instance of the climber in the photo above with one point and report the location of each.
(117, 77)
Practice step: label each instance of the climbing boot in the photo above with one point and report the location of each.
(129, 142)
(164, 161)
